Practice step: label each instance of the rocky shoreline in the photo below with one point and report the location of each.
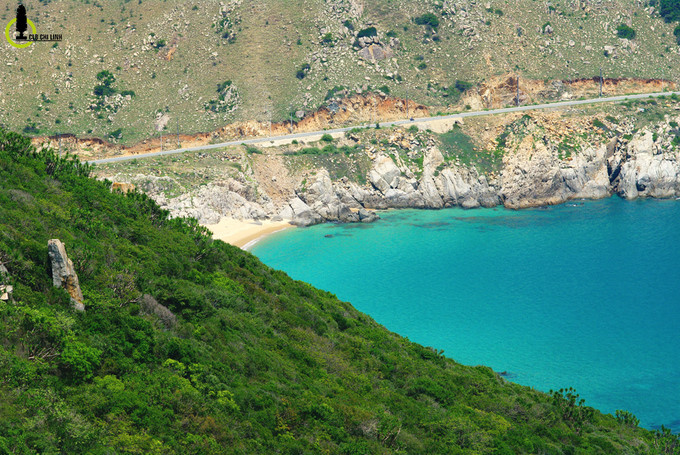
(632, 164)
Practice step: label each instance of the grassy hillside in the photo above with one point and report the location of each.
(189, 345)
(174, 58)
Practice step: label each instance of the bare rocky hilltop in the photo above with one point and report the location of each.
(126, 70)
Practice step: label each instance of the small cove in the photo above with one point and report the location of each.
(585, 294)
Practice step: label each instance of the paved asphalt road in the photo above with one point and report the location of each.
(505, 110)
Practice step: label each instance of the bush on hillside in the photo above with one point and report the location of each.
(624, 31)
(103, 90)
(427, 19)
(106, 78)
(670, 10)
(368, 32)
(302, 72)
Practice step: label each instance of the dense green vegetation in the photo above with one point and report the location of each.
(669, 9)
(427, 19)
(189, 345)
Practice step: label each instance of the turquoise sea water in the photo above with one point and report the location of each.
(583, 294)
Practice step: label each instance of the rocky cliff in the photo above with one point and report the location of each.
(64, 273)
(542, 163)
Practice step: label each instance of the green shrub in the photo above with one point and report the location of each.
(302, 72)
(624, 31)
(670, 10)
(31, 129)
(327, 138)
(572, 408)
(422, 66)
(333, 91)
(597, 123)
(462, 86)
(103, 90)
(627, 418)
(106, 78)
(117, 134)
(427, 19)
(367, 32)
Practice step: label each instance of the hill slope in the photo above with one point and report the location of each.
(199, 65)
(188, 345)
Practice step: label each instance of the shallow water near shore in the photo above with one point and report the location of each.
(585, 294)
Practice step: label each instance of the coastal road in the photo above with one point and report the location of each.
(505, 110)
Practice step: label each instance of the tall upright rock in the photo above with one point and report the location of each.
(5, 289)
(64, 274)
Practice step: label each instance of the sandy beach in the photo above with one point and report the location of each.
(243, 233)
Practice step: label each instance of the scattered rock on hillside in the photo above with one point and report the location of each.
(6, 292)
(64, 274)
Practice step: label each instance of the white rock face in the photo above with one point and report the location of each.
(303, 215)
(644, 169)
(64, 274)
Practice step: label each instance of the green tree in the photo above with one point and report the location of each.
(670, 10)
(624, 31)
(106, 78)
(427, 19)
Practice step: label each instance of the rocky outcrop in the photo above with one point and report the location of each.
(6, 292)
(323, 198)
(300, 213)
(372, 49)
(643, 168)
(5, 289)
(542, 179)
(64, 274)
(208, 204)
(408, 170)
